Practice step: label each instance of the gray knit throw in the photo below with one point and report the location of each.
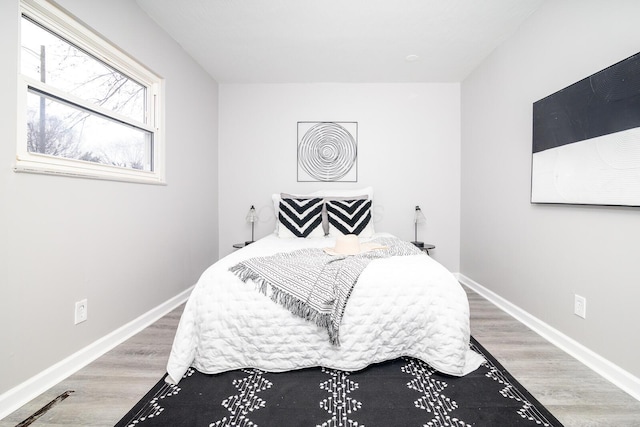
(313, 284)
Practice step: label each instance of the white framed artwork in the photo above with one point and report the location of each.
(586, 140)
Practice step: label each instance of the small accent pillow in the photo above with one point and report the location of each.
(325, 216)
(350, 217)
(300, 218)
(276, 198)
(361, 193)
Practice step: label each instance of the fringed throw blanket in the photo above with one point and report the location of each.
(313, 284)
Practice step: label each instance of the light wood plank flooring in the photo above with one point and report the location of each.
(107, 388)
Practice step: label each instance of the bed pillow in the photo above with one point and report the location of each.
(360, 193)
(350, 217)
(325, 216)
(300, 217)
(276, 198)
(327, 194)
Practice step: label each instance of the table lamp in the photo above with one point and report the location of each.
(252, 217)
(418, 218)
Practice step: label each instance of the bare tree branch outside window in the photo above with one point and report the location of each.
(62, 128)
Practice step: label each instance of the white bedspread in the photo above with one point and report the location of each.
(401, 306)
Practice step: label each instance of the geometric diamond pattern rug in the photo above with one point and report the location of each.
(401, 392)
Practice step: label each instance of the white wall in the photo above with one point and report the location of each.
(125, 247)
(408, 150)
(539, 256)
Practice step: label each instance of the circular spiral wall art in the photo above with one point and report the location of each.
(327, 151)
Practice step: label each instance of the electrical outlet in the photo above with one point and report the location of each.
(81, 311)
(580, 306)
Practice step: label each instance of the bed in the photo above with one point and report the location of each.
(406, 305)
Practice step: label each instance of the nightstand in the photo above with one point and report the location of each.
(426, 247)
(241, 245)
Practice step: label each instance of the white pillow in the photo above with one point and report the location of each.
(344, 193)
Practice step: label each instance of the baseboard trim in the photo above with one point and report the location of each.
(608, 370)
(16, 397)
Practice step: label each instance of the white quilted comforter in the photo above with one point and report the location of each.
(400, 306)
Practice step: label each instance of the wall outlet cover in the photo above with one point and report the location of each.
(81, 311)
(580, 306)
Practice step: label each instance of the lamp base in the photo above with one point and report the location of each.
(248, 242)
(419, 244)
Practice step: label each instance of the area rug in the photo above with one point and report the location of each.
(401, 392)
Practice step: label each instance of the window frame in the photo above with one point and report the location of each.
(69, 28)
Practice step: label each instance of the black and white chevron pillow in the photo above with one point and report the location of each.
(350, 217)
(300, 218)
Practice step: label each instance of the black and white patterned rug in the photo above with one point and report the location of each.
(402, 392)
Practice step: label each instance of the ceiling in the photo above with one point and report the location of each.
(303, 41)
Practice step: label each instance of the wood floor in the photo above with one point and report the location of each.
(107, 388)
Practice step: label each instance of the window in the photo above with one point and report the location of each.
(87, 109)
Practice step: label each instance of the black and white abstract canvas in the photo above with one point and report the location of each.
(327, 151)
(586, 140)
